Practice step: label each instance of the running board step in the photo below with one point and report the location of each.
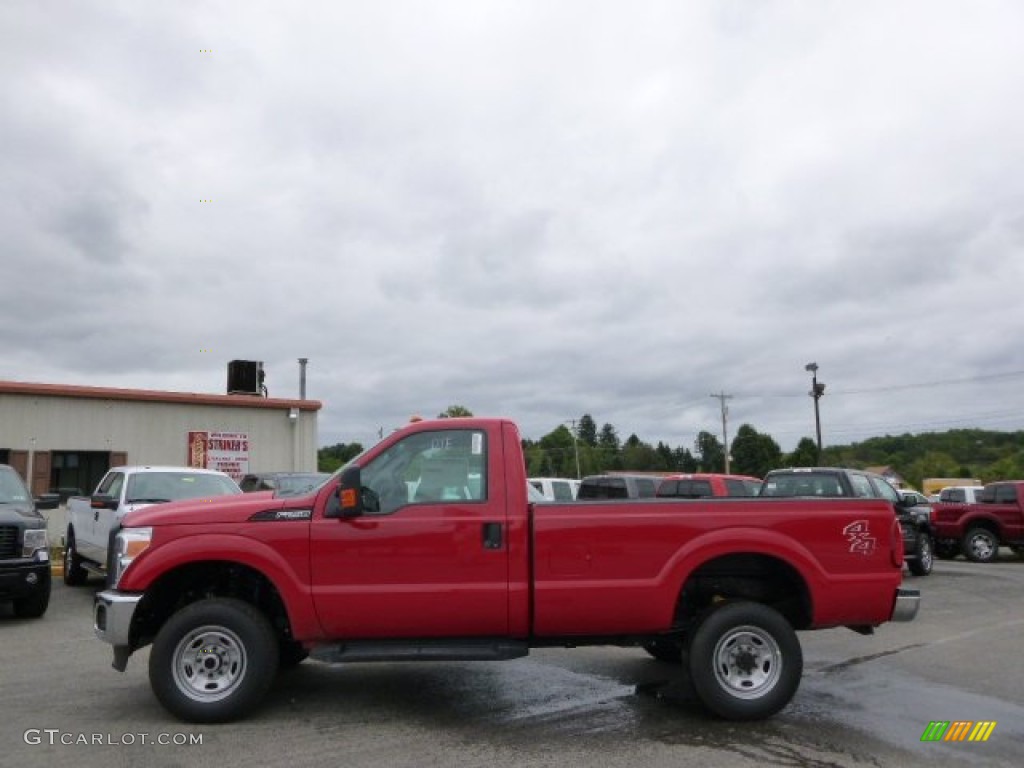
(421, 650)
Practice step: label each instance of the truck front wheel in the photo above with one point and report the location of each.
(924, 560)
(213, 661)
(745, 661)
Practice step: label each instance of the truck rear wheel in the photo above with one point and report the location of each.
(74, 574)
(213, 661)
(980, 545)
(745, 661)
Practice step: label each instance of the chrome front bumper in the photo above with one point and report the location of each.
(907, 603)
(112, 616)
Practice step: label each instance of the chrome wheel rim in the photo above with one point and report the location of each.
(981, 545)
(926, 553)
(209, 663)
(748, 662)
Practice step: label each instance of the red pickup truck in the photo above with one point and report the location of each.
(425, 547)
(979, 529)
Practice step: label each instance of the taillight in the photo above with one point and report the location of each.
(896, 544)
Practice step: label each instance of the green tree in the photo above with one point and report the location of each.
(805, 454)
(560, 447)
(586, 430)
(684, 460)
(330, 457)
(753, 453)
(454, 411)
(608, 447)
(710, 453)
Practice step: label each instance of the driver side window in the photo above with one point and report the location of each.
(428, 467)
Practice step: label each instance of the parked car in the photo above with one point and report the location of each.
(707, 485)
(978, 530)
(24, 548)
(618, 487)
(123, 490)
(283, 483)
(961, 494)
(556, 488)
(838, 482)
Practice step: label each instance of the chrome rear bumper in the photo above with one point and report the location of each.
(907, 603)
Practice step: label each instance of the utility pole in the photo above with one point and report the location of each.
(722, 397)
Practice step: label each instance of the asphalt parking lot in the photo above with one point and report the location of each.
(864, 701)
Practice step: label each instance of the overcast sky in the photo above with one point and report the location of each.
(533, 209)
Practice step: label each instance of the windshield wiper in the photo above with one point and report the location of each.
(147, 501)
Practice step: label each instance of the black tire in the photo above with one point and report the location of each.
(74, 574)
(945, 550)
(924, 557)
(34, 606)
(213, 661)
(980, 545)
(667, 649)
(745, 661)
(290, 654)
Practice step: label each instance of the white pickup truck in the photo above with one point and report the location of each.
(123, 489)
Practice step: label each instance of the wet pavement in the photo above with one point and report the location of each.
(864, 701)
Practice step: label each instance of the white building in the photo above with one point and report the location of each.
(64, 438)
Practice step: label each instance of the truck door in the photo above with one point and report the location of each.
(1007, 509)
(429, 558)
(92, 542)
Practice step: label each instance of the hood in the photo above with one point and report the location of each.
(235, 508)
(16, 512)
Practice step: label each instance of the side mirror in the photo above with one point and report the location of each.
(350, 493)
(102, 501)
(47, 501)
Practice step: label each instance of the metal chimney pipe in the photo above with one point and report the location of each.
(302, 377)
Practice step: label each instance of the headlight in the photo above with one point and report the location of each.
(129, 544)
(35, 544)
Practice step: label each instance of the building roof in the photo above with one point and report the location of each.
(153, 396)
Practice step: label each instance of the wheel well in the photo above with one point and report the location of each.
(988, 525)
(198, 581)
(758, 578)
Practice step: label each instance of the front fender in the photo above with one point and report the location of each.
(289, 575)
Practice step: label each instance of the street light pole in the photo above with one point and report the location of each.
(817, 390)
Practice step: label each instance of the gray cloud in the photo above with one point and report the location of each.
(532, 209)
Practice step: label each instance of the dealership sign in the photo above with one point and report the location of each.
(227, 452)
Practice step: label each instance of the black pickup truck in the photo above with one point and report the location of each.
(838, 482)
(24, 549)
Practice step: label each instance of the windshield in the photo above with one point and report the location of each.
(802, 484)
(294, 485)
(157, 487)
(12, 490)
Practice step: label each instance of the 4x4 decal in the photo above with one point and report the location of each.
(858, 533)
